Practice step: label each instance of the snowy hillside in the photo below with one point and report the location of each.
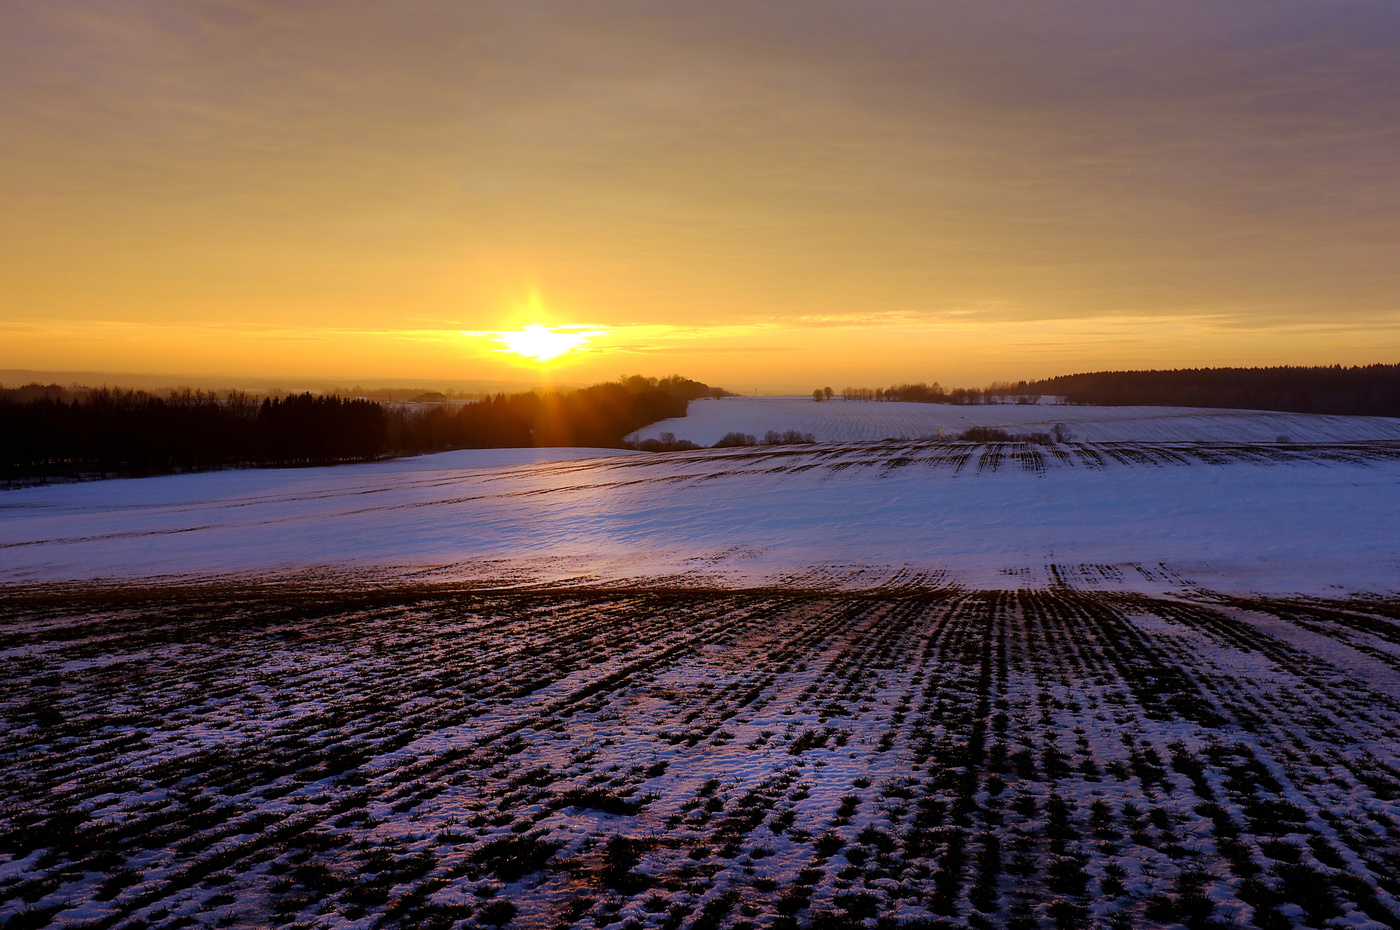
(843, 421)
(1153, 517)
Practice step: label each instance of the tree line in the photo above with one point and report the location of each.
(47, 431)
(1370, 390)
(920, 393)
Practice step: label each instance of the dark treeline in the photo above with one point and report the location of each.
(601, 416)
(114, 431)
(47, 431)
(1372, 390)
(920, 393)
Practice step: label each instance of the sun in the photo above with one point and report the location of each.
(540, 342)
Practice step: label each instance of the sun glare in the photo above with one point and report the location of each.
(540, 342)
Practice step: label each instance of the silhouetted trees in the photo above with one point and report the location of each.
(133, 432)
(304, 430)
(789, 437)
(36, 391)
(986, 434)
(601, 415)
(667, 442)
(1059, 435)
(770, 438)
(734, 439)
(51, 431)
(920, 393)
(1372, 390)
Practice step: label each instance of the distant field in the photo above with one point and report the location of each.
(1315, 519)
(439, 756)
(845, 421)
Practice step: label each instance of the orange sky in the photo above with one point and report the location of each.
(775, 195)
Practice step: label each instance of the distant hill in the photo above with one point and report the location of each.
(1369, 390)
(383, 389)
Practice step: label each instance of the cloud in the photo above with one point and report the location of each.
(777, 168)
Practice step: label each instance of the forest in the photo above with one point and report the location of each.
(51, 432)
(1370, 390)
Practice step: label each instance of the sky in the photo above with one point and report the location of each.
(769, 195)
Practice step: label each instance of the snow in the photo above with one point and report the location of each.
(1144, 516)
(346, 755)
(844, 421)
(747, 732)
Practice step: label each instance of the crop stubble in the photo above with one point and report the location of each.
(439, 756)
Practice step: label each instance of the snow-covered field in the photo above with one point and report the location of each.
(883, 684)
(843, 421)
(1163, 517)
